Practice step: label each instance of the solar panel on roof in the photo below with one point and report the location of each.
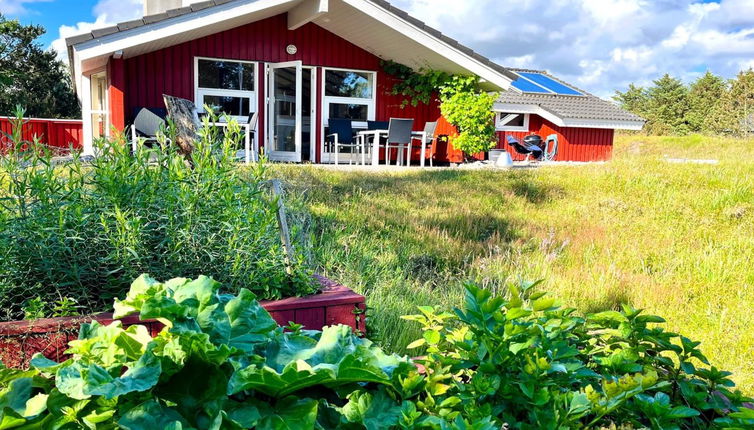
(528, 86)
(550, 84)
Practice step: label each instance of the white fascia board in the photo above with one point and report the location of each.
(306, 12)
(422, 37)
(106, 45)
(606, 124)
(531, 109)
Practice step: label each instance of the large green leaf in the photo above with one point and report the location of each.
(151, 415)
(81, 381)
(375, 411)
(290, 413)
(337, 358)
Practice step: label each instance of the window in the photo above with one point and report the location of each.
(343, 83)
(508, 121)
(349, 94)
(227, 86)
(99, 87)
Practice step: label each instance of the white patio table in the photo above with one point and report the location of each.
(376, 134)
(250, 154)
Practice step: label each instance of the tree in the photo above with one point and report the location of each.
(734, 112)
(32, 77)
(667, 107)
(634, 100)
(469, 108)
(704, 95)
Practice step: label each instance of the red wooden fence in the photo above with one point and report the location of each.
(55, 133)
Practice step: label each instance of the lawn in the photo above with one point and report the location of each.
(674, 239)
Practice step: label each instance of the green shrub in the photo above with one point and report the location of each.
(470, 109)
(82, 231)
(222, 363)
(530, 364)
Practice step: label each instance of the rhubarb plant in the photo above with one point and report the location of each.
(222, 363)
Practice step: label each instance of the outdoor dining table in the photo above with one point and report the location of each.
(376, 134)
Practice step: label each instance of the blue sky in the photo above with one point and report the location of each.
(51, 15)
(598, 45)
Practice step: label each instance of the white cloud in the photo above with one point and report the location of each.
(16, 7)
(602, 45)
(108, 12)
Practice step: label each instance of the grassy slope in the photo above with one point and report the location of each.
(675, 239)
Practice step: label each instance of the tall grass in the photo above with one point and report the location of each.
(83, 231)
(675, 239)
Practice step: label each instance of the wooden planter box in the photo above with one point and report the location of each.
(20, 340)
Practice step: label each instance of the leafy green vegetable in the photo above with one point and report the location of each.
(221, 363)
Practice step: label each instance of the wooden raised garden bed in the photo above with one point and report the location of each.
(335, 304)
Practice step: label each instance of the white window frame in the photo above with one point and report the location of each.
(105, 111)
(501, 121)
(200, 92)
(371, 104)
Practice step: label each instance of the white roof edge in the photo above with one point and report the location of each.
(568, 122)
(432, 42)
(606, 124)
(121, 40)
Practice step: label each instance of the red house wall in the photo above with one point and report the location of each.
(171, 70)
(575, 144)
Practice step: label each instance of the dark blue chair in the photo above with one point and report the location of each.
(341, 136)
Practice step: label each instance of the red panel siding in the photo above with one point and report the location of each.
(116, 70)
(51, 132)
(171, 70)
(575, 144)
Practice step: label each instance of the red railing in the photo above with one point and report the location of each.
(55, 133)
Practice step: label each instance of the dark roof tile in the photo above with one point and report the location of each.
(202, 5)
(123, 26)
(104, 31)
(178, 12)
(151, 19)
(74, 40)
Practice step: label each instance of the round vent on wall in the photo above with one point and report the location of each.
(291, 49)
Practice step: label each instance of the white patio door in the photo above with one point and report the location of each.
(284, 122)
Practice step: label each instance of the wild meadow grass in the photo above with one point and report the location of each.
(674, 239)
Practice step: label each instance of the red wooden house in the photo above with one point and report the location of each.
(297, 63)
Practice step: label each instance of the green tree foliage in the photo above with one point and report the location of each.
(462, 102)
(635, 99)
(733, 114)
(470, 110)
(708, 105)
(704, 95)
(668, 106)
(31, 76)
